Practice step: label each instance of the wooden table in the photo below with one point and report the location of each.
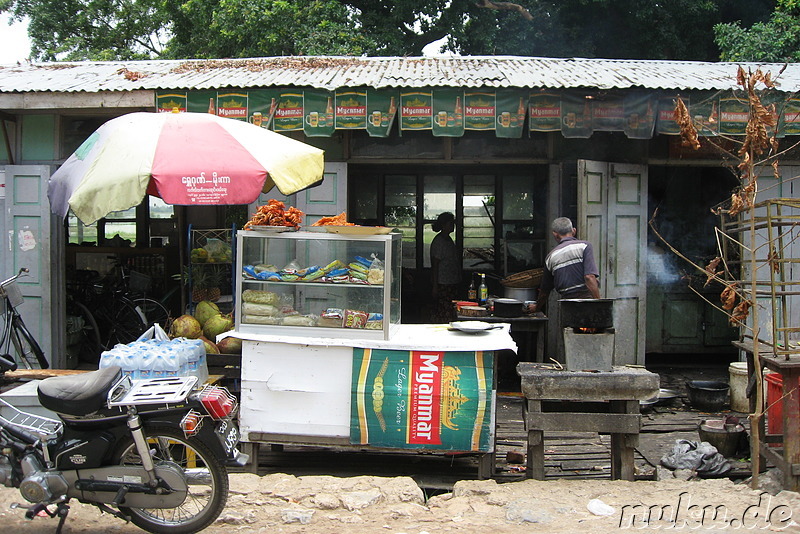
(618, 392)
(787, 458)
(526, 326)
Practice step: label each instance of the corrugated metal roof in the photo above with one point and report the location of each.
(334, 72)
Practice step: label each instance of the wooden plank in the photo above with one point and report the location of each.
(41, 374)
(587, 422)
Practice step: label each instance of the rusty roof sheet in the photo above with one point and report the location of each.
(324, 72)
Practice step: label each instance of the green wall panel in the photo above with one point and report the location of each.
(38, 138)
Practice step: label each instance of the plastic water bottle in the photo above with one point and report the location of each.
(106, 359)
(146, 363)
(129, 361)
(159, 365)
(173, 359)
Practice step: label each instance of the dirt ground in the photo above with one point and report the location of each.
(366, 504)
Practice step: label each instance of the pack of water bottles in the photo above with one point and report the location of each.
(154, 355)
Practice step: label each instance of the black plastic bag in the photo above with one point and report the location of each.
(702, 457)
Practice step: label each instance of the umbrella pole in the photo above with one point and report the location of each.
(181, 213)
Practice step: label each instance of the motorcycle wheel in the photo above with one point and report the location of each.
(205, 474)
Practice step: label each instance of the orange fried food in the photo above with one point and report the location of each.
(274, 213)
(335, 220)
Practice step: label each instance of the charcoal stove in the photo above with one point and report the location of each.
(588, 330)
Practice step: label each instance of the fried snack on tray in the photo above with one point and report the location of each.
(336, 220)
(275, 213)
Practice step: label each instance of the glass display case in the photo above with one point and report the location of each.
(318, 283)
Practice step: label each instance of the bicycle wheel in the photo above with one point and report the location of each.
(28, 351)
(154, 311)
(84, 337)
(121, 321)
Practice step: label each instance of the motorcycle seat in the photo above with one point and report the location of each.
(78, 394)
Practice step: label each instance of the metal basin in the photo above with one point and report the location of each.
(587, 313)
(708, 395)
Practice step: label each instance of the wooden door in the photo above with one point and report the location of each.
(612, 215)
(31, 241)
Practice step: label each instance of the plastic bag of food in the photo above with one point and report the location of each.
(376, 272)
(355, 319)
(260, 297)
(300, 320)
(251, 308)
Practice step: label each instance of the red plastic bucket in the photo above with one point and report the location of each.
(774, 404)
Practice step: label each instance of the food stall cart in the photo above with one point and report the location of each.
(325, 360)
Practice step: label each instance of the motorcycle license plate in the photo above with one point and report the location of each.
(228, 434)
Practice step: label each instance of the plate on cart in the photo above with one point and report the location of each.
(274, 229)
(473, 327)
(358, 230)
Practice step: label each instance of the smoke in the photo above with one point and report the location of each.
(662, 266)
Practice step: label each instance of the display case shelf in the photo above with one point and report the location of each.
(318, 307)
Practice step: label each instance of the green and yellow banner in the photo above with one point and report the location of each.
(423, 400)
(480, 109)
(169, 102)
(416, 110)
(639, 117)
(790, 118)
(318, 113)
(544, 111)
(381, 111)
(576, 115)
(448, 113)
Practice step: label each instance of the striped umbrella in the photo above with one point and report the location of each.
(184, 158)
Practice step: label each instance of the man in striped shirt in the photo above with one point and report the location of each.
(570, 267)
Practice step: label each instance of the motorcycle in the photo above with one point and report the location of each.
(153, 452)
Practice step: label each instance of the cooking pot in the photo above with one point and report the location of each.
(508, 308)
(520, 293)
(709, 395)
(587, 313)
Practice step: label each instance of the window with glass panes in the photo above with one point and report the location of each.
(500, 213)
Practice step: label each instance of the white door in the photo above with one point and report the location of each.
(328, 198)
(31, 241)
(612, 215)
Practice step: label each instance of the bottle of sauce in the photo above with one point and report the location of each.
(483, 291)
(472, 293)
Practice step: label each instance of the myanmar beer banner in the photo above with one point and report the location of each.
(544, 112)
(511, 107)
(422, 400)
(448, 112)
(416, 110)
(790, 124)
(638, 116)
(381, 111)
(576, 115)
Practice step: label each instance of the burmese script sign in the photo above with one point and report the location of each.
(422, 400)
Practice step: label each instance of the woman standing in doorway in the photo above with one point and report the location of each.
(445, 269)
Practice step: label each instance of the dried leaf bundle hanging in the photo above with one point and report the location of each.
(684, 120)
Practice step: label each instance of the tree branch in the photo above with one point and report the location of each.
(506, 6)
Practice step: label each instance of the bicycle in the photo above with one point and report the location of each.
(108, 311)
(136, 285)
(27, 351)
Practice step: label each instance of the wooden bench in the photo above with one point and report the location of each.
(614, 394)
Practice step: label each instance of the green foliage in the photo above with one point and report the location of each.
(635, 29)
(776, 40)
